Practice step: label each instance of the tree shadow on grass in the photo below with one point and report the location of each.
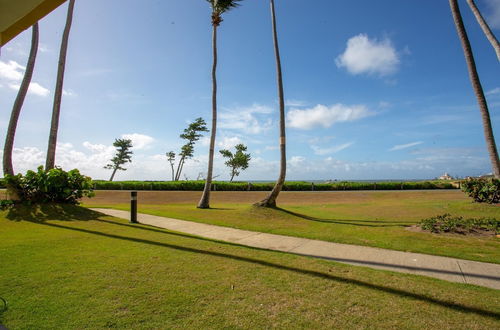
(365, 223)
(394, 291)
(51, 211)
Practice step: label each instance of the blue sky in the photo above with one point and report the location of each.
(374, 89)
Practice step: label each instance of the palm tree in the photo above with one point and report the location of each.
(56, 110)
(478, 89)
(270, 201)
(486, 29)
(18, 104)
(218, 8)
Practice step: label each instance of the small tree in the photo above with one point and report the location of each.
(192, 134)
(238, 161)
(171, 159)
(123, 156)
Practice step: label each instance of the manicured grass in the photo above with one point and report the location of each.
(78, 269)
(378, 219)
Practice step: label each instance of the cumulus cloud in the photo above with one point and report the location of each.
(405, 146)
(12, 74)
(251, 120)
(139, 141)
(369, 56)
(331, 150)
(229, 142)
(324, 116)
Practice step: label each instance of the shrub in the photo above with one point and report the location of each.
(6, 204)
(482, 190)
(454, 224)
(55, 185)
(2, 183)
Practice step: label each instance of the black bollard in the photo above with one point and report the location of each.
(133, 207)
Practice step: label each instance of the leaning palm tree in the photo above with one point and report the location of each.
(218, 8)
(270, 201)
(56, 110)
(18, 104)
(484, 26)
(478, 89)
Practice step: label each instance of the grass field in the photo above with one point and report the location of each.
(72, 268)
(370, 218)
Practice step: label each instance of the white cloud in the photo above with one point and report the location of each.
(493, 17)
(251, 120)
(69, 92)
(295, 103)
(324, 116)
(328, 151)
(139, 141)
(34, 89)
(405, 146)
(229, 142)
(493, 91)
(370, 56)
(11, 70)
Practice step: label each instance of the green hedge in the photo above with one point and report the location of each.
(2, 183)
(289, 186)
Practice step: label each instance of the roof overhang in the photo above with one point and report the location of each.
(18, 15)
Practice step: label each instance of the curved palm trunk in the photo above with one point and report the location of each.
(486, 29)
(56, 110)
(478, 89)
(270, 201)
(113, 174)
(18, 104)
(205, 197)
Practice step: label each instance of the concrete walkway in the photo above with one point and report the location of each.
(449, 269)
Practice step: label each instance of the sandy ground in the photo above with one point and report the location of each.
(286, 197)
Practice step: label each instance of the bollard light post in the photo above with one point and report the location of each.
(133, 207)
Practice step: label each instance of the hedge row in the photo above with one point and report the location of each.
(289, 186)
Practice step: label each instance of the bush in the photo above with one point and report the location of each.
(482, 190)
(6, 204)
(2, 183)
(450, 224)
(54, 185)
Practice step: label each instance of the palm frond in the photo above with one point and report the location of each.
(221, 6)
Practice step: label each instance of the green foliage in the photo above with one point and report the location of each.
(6, 204)
(454, 224)
(238, 161)
(2, 183)
(55, 185)
(482, 190)
(123, 155)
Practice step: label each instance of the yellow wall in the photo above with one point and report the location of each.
(18, 15)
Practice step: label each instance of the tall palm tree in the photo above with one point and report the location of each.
(270, 201)
(18, 104)
(218, 8)
(484, 26)
(56, 110)
(478, 89)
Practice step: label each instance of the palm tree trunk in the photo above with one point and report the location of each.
(172, 166)
(270, 201)
(113, 175)
(54, 126)
(232, 176)
(486, 29)
(205, 197)
(18, 104)
(478, 89)
(179, 169)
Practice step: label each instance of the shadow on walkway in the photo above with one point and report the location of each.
(398, 292)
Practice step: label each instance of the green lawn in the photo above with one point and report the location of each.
(77, 269)
(378, 219)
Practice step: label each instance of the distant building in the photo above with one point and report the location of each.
(445, 176)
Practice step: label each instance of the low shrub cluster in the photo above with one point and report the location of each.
(6, 204)
(2, 183)
(55, 185)
(453, 224)
(482, 190)
(267, 186)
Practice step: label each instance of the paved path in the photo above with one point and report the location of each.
(450, 269)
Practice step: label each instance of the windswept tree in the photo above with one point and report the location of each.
(239, 161)
(270, 201)
(18, 104)
(56, 109)
(477, 87)
(171, 159)
(219, 7)
(191, 134)
(485, 27)
(123, 156)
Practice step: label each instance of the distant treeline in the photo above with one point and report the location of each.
(289, 186)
